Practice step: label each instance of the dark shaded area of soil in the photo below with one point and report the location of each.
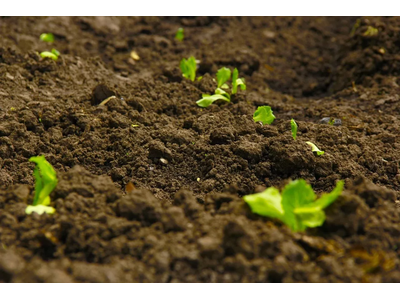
(186, 221)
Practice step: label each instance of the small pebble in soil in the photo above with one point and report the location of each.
(337, 122)
(325, 120)
(332, 121)
(164, 161)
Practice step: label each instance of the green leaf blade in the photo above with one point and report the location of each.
(315, 149)
(264, 114)
(296, 194)
(188, 68)
(47, 54)
(46, 180)
(179, 35)
(223, 75)
(235, 76)
(207, 100)
(293, 126)
(267, 203)
(47, 37)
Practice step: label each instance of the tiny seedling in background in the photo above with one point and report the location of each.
(179, 35)
(355, 26)
(296, 207)
(293, 125)
(371, 31)
(188, 68)
(54, 54)
(47, 37)
(315, 149)
(236, 81)
(264, 115)
(46, 181)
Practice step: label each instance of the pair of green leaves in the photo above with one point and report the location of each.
(223, 75)
(297, 206)
(46, 181)
(54, 54)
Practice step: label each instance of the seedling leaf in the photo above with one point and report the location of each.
(267, 203)
(46, 180)
(264, 114)
(207, 100)
(47, 37)
(293, 125)
(223, 75)
(237, 82)
(296, 206)
(179, 35)
(49, 55)
(315, 149)
(188, 68)
(55, 52)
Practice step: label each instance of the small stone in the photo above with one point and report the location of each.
(325, 120)
(164, 161)
(337, 122)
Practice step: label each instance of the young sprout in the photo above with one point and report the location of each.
(296, 207)
(47, 37)
(355, 26)
(223, 75)
(264, 114)
(315, 149)
(188, 68)
(207, 99)
(46, 181)
(293, 125)
(179, 35)
(236, 81)
(54, 54)
(371, 31)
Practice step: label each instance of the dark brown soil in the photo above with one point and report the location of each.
(186, 221)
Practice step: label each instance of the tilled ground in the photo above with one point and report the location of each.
(186, 221)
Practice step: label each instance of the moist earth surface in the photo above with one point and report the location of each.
(151, 185)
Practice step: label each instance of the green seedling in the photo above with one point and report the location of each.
(315, 149)
(371, 31)
(54, 54)
(188, 68)
(179, 35)
(293, 125)
(236, 81)
(296, 207)
(207, 99)
(46, 181)
(47, 37)
(264, 115)
(355, 26)
(223, 75)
